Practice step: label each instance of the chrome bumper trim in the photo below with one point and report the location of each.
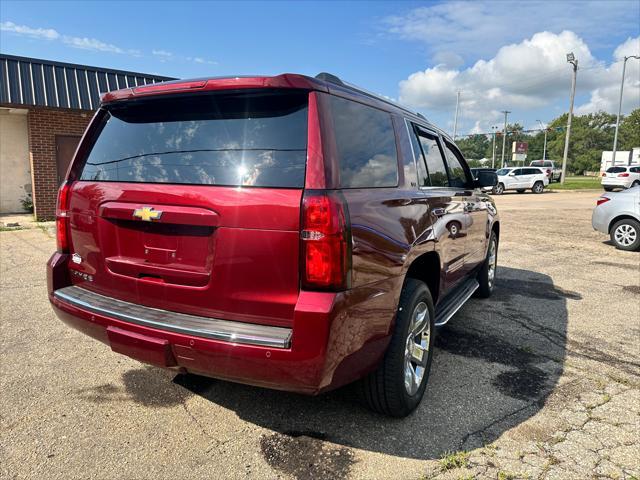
(213, 328)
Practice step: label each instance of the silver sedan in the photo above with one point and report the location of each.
(618, 215)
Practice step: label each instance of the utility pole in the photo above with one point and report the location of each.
(544, 149)
(573, 61)
(493, 147)
(504, 134)
(615, 137)
(455, 121)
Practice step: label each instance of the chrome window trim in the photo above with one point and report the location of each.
(205, 327)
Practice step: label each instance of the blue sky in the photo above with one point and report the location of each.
(499, 54)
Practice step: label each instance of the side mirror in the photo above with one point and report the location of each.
(485, 179)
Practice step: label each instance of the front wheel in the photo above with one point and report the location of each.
(398, 384)
(487, 273)
(538, 187)
(498, 189)
(625, 234)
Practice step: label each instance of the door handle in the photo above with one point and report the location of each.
(439, 212)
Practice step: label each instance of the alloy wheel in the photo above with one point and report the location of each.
(416, 352)
(625, 235)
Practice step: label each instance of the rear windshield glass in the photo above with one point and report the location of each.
(616, 169)
(540, 163)
(240, 139)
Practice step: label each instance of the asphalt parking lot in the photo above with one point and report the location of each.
(540, 381)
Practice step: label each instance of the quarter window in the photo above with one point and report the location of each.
(366, 145)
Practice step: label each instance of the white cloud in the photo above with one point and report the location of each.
(521, 76)
(478, 28)
(201, 60)
(84, 43)
(44, 33)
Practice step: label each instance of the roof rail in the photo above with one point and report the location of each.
(329, 77)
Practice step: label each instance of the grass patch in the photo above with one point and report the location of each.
(577, 183)
(506, 475)
(454, 460)
(10, 229)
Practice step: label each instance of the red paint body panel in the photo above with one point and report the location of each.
(233, 253)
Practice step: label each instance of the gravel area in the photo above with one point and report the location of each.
(540, 381)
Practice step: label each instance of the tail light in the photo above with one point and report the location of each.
(325, 242)
(548, 172)
(604, 174)
(62, 218)
(602, 200)
(623, 174)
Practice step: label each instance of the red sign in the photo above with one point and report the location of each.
(520, 147)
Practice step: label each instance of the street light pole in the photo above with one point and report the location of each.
(573, 61)
(493, 147)
(544, 149)
(615, 137)
(455, 120)
(504, 134)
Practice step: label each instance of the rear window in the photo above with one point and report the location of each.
(616, 169)
(240, 139)
(540, 163)
(366, 145)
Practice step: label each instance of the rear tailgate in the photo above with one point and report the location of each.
(192, 204)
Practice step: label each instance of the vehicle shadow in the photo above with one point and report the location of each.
(495, 364)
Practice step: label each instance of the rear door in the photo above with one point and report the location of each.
(447, 205)
(191, 203)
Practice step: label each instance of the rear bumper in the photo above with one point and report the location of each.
(616, 182)
(335, 337)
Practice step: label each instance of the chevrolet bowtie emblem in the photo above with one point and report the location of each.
(146, 214)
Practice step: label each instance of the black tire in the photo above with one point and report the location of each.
(384, 389)
(538, 187)
(635, 183)
(520, 190)
(487, 284)
(498, 189)
(625, 234)
(608, 189)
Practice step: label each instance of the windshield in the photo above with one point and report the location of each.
(502, 172)
(256, 138)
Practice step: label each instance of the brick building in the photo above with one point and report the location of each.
(44, 108)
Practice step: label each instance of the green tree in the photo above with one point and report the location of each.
(629, 133)
(474, 147)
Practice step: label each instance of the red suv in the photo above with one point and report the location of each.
(289, 232)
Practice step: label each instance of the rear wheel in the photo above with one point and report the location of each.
(635, 183)
(608, 189)
(498, 189)
(487, 274)
(625, 234)
(397, 386)
(538, 187)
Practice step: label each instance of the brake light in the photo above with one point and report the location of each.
(602, 200)
(604, 174)
(623, 174)
(164, 87)
(62, 218)
(548, 172)
(325, 244)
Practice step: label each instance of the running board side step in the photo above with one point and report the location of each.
(455, 300)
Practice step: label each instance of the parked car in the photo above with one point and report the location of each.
(618, 215)
(476, 171)
(289, 232)
(622, 176)
(521, 179)
(554, 173)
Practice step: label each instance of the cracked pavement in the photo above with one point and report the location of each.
(540, 381)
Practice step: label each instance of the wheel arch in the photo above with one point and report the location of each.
(427, 268)
(615, 220)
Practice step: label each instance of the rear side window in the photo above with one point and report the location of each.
(531, 171)
(256, 138)
(435, 162)
(634, 169)
(366, 145)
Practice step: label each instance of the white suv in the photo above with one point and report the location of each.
(521, 179)
(621, 176)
